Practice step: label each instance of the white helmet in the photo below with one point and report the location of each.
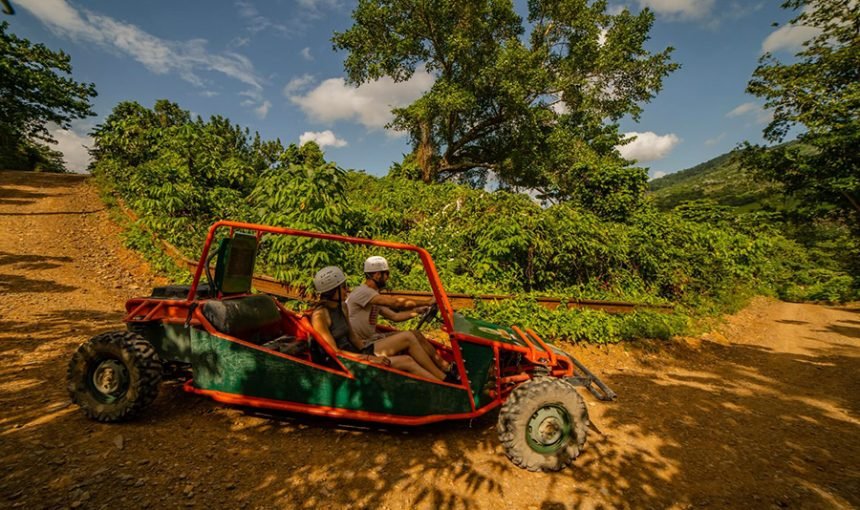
(375, 264)
(328, 278)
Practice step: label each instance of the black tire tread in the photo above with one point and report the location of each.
(519, 407)
(145, 378)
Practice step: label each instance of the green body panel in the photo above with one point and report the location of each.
(494, 332)
(479, 363)
(171, 341)
(225, 366)
(488, 330)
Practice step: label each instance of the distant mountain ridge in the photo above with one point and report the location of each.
(720, 180)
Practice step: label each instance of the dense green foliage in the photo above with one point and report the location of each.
(35, 90)
(724, 193)
(819, 93)
(181, 174)
(539, 112)
(722, 181)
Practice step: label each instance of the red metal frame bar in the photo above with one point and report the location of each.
(497, 370)
(227, 338)
(429, 267)
(552, 356)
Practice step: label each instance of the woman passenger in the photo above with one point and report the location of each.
(330, 320)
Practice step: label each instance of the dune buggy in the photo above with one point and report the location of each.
(248, 349)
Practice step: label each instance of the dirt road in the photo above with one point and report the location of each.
(764, 413)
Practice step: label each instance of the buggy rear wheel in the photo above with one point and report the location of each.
(543, 424)
(114, 375)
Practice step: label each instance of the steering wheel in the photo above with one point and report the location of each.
(428, 315)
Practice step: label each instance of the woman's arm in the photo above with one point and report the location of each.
(321, 321)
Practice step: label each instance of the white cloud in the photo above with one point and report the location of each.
(298, 84)
(318, 5)
(161, 56)
(658, 174)
(256, 22)
(715, 140)
(74, 148)
(648, 146)
(679, 9)
(306, 54)
(559, 107)
(557, 104)
(61, 17)
(370, 104)
(263, 109)
(743, 109)
(761, 115)
(240, 41)
(789, 38)
(322, 138)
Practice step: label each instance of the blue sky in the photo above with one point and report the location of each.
(270, 66)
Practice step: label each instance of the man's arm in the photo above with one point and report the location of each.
(399, 303)
(393, 316)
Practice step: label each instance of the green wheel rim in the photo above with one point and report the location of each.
(108, 380)
(548, 429)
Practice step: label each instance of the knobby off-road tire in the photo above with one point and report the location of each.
(543, 424)
(114, 375)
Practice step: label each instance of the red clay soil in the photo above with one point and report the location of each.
(763, 413)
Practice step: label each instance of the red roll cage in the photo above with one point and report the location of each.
(445, 310)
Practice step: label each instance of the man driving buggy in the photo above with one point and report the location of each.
(366, 304)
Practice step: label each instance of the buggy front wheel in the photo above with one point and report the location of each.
(543, 424)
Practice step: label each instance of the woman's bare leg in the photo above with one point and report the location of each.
(431, 350)
(408, 364)
(406, 341)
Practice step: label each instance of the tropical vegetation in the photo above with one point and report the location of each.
(515, 183)
(36, 92)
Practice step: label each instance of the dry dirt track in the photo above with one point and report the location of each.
(764, 413)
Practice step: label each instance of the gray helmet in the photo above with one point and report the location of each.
(328, 278)
(375, 264)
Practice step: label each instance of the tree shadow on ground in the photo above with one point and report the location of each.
(17, 284)
(13, 196)
(721, 426)
(848, 331)
(32, 262)
(50, 328)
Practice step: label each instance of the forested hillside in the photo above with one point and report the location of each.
(725, 192)
(722, 180)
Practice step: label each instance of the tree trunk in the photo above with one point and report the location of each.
(851, 199)
(425, 154)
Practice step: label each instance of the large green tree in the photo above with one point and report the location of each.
(35, 90)
(817, 93)
(536, 104)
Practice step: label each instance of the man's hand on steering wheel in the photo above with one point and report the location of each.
(429, 314)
